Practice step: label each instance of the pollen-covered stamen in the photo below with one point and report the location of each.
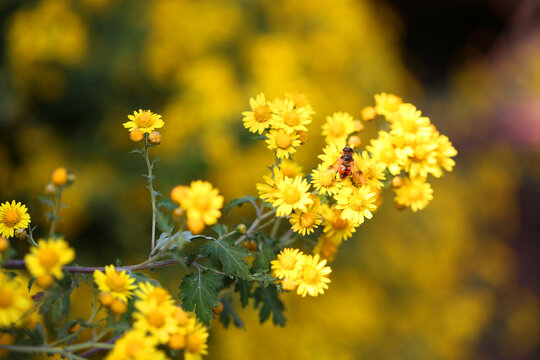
(308, 219)
(262, 113)
(291, 196)
(6, 298)
(156, 319)
(310, 275)
(337, 129)
(283, 140)
(291, 118)
(115, 282)
(134, 348)
(11, 217)
(326, 178)
(48, 258)
(339, 223)
(145, 120)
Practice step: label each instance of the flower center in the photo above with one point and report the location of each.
(308, 219)
(181, 317)
(283, 140)
(357, 203)
(310, 274)
(145, 120)
(202, 203)
(134, 348)
(288, 172)
(115, 282)
(326, 178)
(328, 250)
(262, 113)
(288, 262)
(159, 294)
(6, 298)
(11, 217)
(420, 153)
(193, 343)
(339, 223)
(291, 196)
(291, 118)
(156, 319)
(48, 258)
(337, 129)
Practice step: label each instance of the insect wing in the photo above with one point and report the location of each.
(357, 175)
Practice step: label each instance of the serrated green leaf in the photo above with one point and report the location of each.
(220, 229)
(266, 255)
(230, 256)
(167, 204)
(199, 293)
(228, 313)
(268, 298)
(243, 287)
(46, 201)
(62, 307)
(163, 222)
(239, 202)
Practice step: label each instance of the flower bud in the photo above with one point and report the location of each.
(397, 181)
(50, 189)
(218, 310)
(177, 341)
(368, 113)
(44, 280)
(241, 228)
(358, 126)
(195, 224)
(154, 138)
(178, 214)
(399, 206)
(5, 339)
(288, 284)
(4, 244)
(179, 193)
(105, 298)
(250, 245)
(118, 307)
(303, 137)
(354, 141)
(20, 234)
(59, 176)
(74, 328)
(136, 135)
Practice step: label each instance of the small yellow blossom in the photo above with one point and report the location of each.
(48, 259)
(290, 118)
(387, 104)
(202, 204)
(324, 180)
(290, 168)
(415, 193)
(287, 264)
(368, 113)
(196, 342)
(135, 345)
(59, 176)
(118, 283)
(15, 301)
(356, 203)
(144, 120)
(335, 226)
(305, 222)
(283, 142)
(268, 189)
(382, 150)
(292, 195)
(300, 101)
(338, 127)
(12, 217)
(327, 247)
(372, 170)
(149, 292)
(331, 153)
(155, 318)
(261, 117)
(314, 276)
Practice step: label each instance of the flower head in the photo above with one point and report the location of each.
(261, 117)
(356, 203)
(287, 263)
(149, 292)
(415, 192)
(144, 120)
(196, 342)
(268, 189)
(12, 217)
(314, 276)
(327, 247)
(48, 259)
(290, 168)
(324, 180)
(338, 127)
(290, 118)
(372, 170)
(383, 151)
(155, 318)
(202, 204)
(305, 222)
(118, 283)
(15, 301)
(283, 142)
(135, 345)
(387, 104)
(292, 195)
(335, 226)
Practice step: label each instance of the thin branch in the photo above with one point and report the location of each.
(21, 264)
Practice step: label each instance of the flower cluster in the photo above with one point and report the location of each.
(305, 273)
(115, 287)
(45, 262)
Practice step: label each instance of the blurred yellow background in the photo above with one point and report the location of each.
(458, 280)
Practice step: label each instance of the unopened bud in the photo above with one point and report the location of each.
(250, 245)
(177, 341)
(4, 244)
(354, 141)
(154, 138)
(20, 234)
(105, 298)
(118, 307)
(368, 113)
(399, 206)
(288, 284)
(75, 328)
(50, 189)
(181, 316)
(59, 176)
(358, 126)
(303, 137)
(136, 135)
(178, 213)
(44, 280)
(241, 228)
(195, 224)
(218, 310)
(397, 181)
(179, 193)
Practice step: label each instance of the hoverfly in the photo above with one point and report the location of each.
(346, 166)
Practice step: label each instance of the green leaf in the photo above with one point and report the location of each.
(243, 287)
(268, 298)
(167, 204)
(239, 202)
(230, 256)
(46, 201)
(163, 222)
(199, 293)
(62, 307)
(266, 255)
(228, 313)
(190, 237)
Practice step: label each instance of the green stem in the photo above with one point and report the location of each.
(254, 226)
(56, 350)
(57, 206)
(275, 228)
(151, 188)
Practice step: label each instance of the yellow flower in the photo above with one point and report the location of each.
(287, 264)
(331, 153)
(415, 193)
(118, 283)
(356, 203)
(314, 276)
(444, 152)
(372, 170)
(335, 226)
(135, 345)
(387, 104)
(423, 160)
(290, 168)
(149, 292)
(155, 318)
(203, 202)
(382, 150)
(290, 118)
(268, 190)
(196, 342)
(12, 217)
(324, 180)
(327, 247)
(261, 116)
(15, 301)
(283, 142)
(409, 120)
(301, 101)
(368, 113)
(292, 195)
(305, 222)
(338, 127)
(48, 258)
(144, 120)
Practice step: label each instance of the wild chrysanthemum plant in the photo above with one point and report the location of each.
(134, 317)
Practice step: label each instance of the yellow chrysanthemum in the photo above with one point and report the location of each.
(415, 193)
(145, 121)
(12, 217)
(335, 226)
(268, 190)
(327, 247)
(372, 170)
(383, 151)
(292, 195)
(283, 142)
(331, 153)
(149, 292)
(291, 168)
(444, 153)
(356, 203)
(409, 120)
(313, 277)
(49, 257)
(305, 222)
(301, 101)
(196, 342)
(287, 263)
(15, 301)
(261, 116)
(118, 283)
(155, 318)
(423, 160)
(387, 104)
(135, 345)
(290, 118)
(324, 180)
(338, 127)
(203, 201)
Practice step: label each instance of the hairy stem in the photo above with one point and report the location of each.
(150, 166)
(254, 226)
(57, 206)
